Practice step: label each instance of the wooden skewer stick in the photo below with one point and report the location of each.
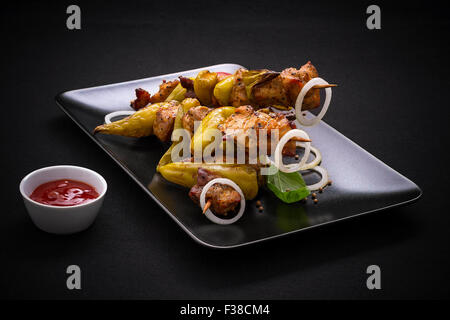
(323, 86)
(206, 207)
(300, 139)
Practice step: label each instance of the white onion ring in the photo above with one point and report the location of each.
(114, 114)
(279, 149)
(299, 102)
(313, 163)
(209, 214)
(322, 183)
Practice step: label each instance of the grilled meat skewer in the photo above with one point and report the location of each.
(157, 119)
(258, 88)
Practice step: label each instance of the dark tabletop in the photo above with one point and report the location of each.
(391, 100)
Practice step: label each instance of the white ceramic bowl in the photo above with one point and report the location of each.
(62, 220)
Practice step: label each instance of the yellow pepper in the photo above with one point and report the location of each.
(139, 124)
(222, 90)
(187, 104)
(177, 94)
(204, 86)
(211, 121)
(185, 174)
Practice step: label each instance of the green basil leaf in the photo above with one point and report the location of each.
(289, 187)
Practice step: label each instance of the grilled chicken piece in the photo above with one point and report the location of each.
(223, 198)
(284, 89)
(194, 114)
(245, 119)
(164, 121)
(312, 98)
(294, 80)
(270, 93)
(165, 89)
(142, 99)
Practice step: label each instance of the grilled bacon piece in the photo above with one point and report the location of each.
(223, 198)
(165, 89)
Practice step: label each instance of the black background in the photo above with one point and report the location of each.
(392, 100)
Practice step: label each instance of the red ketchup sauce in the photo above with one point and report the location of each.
(64, 193)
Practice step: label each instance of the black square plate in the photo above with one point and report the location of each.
(361, 182)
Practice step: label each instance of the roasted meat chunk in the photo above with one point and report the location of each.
(238, 95)
(164, 121)
(284, 89)
(194, 114)
(245, 120)
(222, 198)
(270, 93)
(143, 98)
(165, 89)
(188, 84)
